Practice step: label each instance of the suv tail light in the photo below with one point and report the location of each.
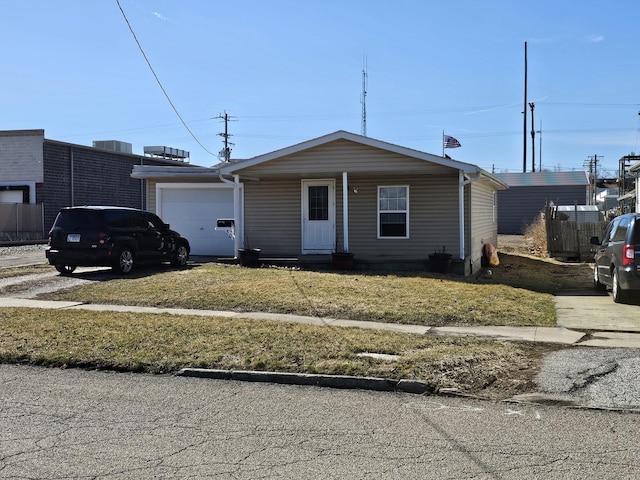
(102, 237)
(628, 255)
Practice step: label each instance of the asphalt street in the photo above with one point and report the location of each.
(87, 424)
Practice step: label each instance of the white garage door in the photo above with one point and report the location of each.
(192, 210)
(11, 196)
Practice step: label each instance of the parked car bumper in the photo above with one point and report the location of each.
(629, 278)
(79, 257)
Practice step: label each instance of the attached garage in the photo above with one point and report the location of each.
(191, 199)
(192, 209)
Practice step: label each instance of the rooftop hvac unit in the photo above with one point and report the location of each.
(167, 153)
(113, 146)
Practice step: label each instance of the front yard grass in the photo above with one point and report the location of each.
(157, 343)
(519, 292)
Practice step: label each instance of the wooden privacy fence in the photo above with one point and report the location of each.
(568, 239)
(572, 238)
(21, 222)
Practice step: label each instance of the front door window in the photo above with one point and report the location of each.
(319, 202)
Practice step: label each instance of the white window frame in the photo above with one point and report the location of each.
(405, 211)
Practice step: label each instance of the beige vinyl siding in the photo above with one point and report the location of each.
(484, 227)
(433, 217)
(273, 201)
(342, 156)
(273, 215)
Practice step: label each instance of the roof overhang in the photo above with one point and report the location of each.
(176, 173)
(468, 169)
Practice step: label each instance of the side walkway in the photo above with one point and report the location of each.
(580, 321)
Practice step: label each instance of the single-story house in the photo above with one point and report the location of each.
(339, 192)
(530, 192)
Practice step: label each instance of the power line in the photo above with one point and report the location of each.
(159, 82)
(599, 105)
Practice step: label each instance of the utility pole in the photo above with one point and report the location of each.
(524, 114)
(225, 153)
(533, 140)
(593, 176)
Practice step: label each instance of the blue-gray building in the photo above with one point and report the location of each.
(530, 192)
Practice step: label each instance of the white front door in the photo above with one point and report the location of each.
(318, 216)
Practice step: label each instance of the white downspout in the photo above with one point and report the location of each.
(345, 212)
(238, 222)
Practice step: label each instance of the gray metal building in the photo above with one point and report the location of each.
(530, 192)
(48, 174)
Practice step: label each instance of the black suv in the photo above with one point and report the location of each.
(617, 261)
(114, 237)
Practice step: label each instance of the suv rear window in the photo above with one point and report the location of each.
(620, 235)
(70, 220)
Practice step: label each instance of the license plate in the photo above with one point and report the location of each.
(73, 237)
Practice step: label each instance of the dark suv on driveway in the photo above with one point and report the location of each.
(617, 260)
(114, 237)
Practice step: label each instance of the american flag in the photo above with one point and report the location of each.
(450, 142)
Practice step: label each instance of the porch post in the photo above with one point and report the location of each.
(239, 222)
(345, 212)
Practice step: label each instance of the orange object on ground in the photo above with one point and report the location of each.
(491, 254)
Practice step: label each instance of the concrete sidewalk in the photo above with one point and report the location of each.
(573, 321)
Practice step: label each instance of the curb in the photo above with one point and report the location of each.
(311, 379)
(382, 385)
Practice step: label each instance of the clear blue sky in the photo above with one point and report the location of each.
(288, 71)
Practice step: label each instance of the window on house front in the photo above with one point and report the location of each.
(393, 212)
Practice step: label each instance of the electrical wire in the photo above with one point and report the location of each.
(599, 105)
(160, 83)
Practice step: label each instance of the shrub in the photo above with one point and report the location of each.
(535, 235)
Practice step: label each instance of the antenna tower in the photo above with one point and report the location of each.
(225, 153)
(363, 99)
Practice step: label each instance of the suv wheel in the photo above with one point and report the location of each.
(65, 269)
(180, 257)
(124, 262)
(619, 295)
(600, 287)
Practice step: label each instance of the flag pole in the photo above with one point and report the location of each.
(443, 143)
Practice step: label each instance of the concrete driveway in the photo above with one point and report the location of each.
(596, 311)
